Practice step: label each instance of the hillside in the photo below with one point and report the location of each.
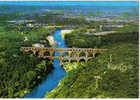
(117, 70)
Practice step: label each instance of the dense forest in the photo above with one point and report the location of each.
(113, 74)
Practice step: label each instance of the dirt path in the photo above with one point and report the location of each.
(103, 33)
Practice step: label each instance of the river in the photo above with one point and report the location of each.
(55, 76)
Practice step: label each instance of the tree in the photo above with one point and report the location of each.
(90, 14)
(127, 15)
(120, 17)
(62, 12)
(24, 11)
(5, 8)
(98, 13)
(136, 13)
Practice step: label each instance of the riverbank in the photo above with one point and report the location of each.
(20, 71)
(55, 76)
(117, 70)
(63, 33)
(27, 24)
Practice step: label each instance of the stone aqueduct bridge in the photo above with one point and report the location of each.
(72, 53)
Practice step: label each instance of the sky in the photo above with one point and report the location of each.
(69, 0)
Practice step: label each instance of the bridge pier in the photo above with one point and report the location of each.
(34, 51)
(60, 56)
(70, 51)
(69, 60)
(51, 52)
(78, 53)
(93, 54)
(86, 59)
(42, 52)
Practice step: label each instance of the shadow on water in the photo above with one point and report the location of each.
(54, 77)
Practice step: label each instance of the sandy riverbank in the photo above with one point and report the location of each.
(63, 33)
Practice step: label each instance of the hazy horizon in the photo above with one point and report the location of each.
(69, 0)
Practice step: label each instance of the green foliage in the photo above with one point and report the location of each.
(4, 8)
(115, 72)
(98, 13)
(129, 27)
(90, 14)
(41, 66)
(120, 17)
(78, 38)
(127, 15)
(71, 66)
(20, 71)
